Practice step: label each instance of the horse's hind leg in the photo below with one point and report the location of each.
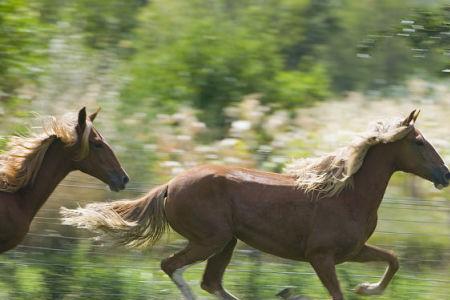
(215, 267)
(176, 264)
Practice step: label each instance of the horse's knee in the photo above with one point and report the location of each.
(394, 264)
(393, 261)
(167, 266)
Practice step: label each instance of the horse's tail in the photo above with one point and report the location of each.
(135, 223)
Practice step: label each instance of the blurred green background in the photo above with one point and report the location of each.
(248, 83)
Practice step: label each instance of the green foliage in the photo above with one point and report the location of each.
(21, 47)
(106, 24)
(103, 24)
(209, 55)
(30, 280)
(292, 52)
(350, 66)
(401, 44)
(298, 88)
(189, 58)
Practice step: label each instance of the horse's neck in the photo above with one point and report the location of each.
(371, 181)
(55, 166)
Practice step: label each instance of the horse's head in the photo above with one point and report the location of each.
(417, 156)
(92, 154)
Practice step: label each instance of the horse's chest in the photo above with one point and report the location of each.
(344, 238)
(341, 236)
(13, 227)
(11, 239)
(353, 238)
(371, 225)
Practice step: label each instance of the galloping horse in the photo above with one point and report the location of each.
(33, 166)
(322, 211)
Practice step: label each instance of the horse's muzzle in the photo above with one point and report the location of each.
(442, 179)
(118, 183)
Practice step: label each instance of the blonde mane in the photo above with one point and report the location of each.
(23, 157)
(328, 175)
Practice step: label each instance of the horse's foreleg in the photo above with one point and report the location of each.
(215, 267)
(371, 253)
(324, 266)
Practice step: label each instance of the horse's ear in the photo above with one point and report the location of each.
(94, 115)
(411, 118)
(82, 119)
(416, 115)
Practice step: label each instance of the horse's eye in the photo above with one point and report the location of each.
(420, 142)
(98, 145)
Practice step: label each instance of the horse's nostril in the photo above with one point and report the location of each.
(125, 179)
(447, 176)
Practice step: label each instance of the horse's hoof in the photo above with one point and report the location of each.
(368, 289)
(224, 295)
(287, 294)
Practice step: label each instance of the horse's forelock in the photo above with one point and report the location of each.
(65, 129)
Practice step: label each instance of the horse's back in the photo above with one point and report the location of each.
(235, 174)
(208, 182)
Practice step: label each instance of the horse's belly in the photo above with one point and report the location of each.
(283, 241)
(275, 221)
(289, 252)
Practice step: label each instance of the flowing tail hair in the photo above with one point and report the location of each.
(134, 223)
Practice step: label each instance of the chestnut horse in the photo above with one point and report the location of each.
(322, 211)
(33, 166)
